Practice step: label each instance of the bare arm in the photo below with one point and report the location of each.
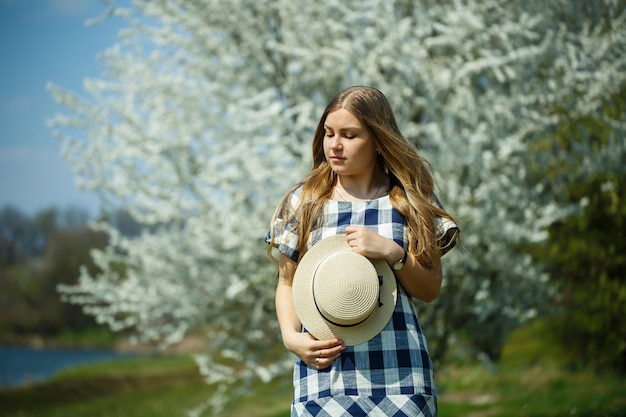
(419, 282)
(316, 353)
(285, 311)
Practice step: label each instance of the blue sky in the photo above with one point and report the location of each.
(44, 41)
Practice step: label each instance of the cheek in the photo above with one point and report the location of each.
(367, 154)
(325, 148)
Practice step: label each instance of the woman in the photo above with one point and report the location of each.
(368, 182)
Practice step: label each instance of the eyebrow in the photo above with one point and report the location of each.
(343, 129)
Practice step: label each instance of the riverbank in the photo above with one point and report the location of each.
(154, 386)
(20, 365)
(34, 359)
(104, 339)
(104, 388)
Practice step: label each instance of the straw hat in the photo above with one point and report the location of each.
(339, 293)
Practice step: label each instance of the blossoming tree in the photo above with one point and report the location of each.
(204, 116)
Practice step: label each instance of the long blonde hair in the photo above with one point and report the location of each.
(411, 184)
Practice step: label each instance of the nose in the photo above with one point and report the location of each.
(335, 143)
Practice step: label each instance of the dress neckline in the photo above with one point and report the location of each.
(386, 195)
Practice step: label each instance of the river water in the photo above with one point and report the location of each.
(23, 365)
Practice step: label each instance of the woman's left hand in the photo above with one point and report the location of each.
(372, 245)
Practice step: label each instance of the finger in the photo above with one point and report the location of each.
(352, 229)
(324, 344)
(335, 351)
(329, 352)
(323, 363)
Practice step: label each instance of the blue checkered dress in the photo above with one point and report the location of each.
(390, 375)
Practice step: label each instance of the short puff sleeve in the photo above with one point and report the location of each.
(447, 230)
(283, 234)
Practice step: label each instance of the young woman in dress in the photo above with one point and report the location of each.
(368, 183)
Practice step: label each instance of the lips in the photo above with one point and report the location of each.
(336, 158)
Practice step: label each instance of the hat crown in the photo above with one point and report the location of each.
(346, 288)
(338, 293)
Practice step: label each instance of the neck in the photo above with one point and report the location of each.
(347, 189)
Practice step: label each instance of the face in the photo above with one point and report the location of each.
(348, 146)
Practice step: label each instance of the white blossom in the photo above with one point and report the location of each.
(204, 117)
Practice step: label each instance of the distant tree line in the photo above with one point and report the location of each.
(39, 252)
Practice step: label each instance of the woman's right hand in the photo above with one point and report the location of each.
(318, 354)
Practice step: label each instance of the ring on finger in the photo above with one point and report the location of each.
(317, 360)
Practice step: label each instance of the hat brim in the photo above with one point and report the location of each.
(310, 317)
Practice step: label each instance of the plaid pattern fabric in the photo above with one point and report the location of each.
(390, 375)
(378, 215)
(344, 406)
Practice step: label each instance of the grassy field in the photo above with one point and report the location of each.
(532, 380)
(165, 386)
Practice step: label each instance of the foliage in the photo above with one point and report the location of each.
(23, 237)
(39, 252)
(587, 257)
(36, 253)
(29, 299)
(204, 116)
(584, 253)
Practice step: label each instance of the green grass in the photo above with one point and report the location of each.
(158, 386)
(129, 387)
(533, 379)
(537, 391)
